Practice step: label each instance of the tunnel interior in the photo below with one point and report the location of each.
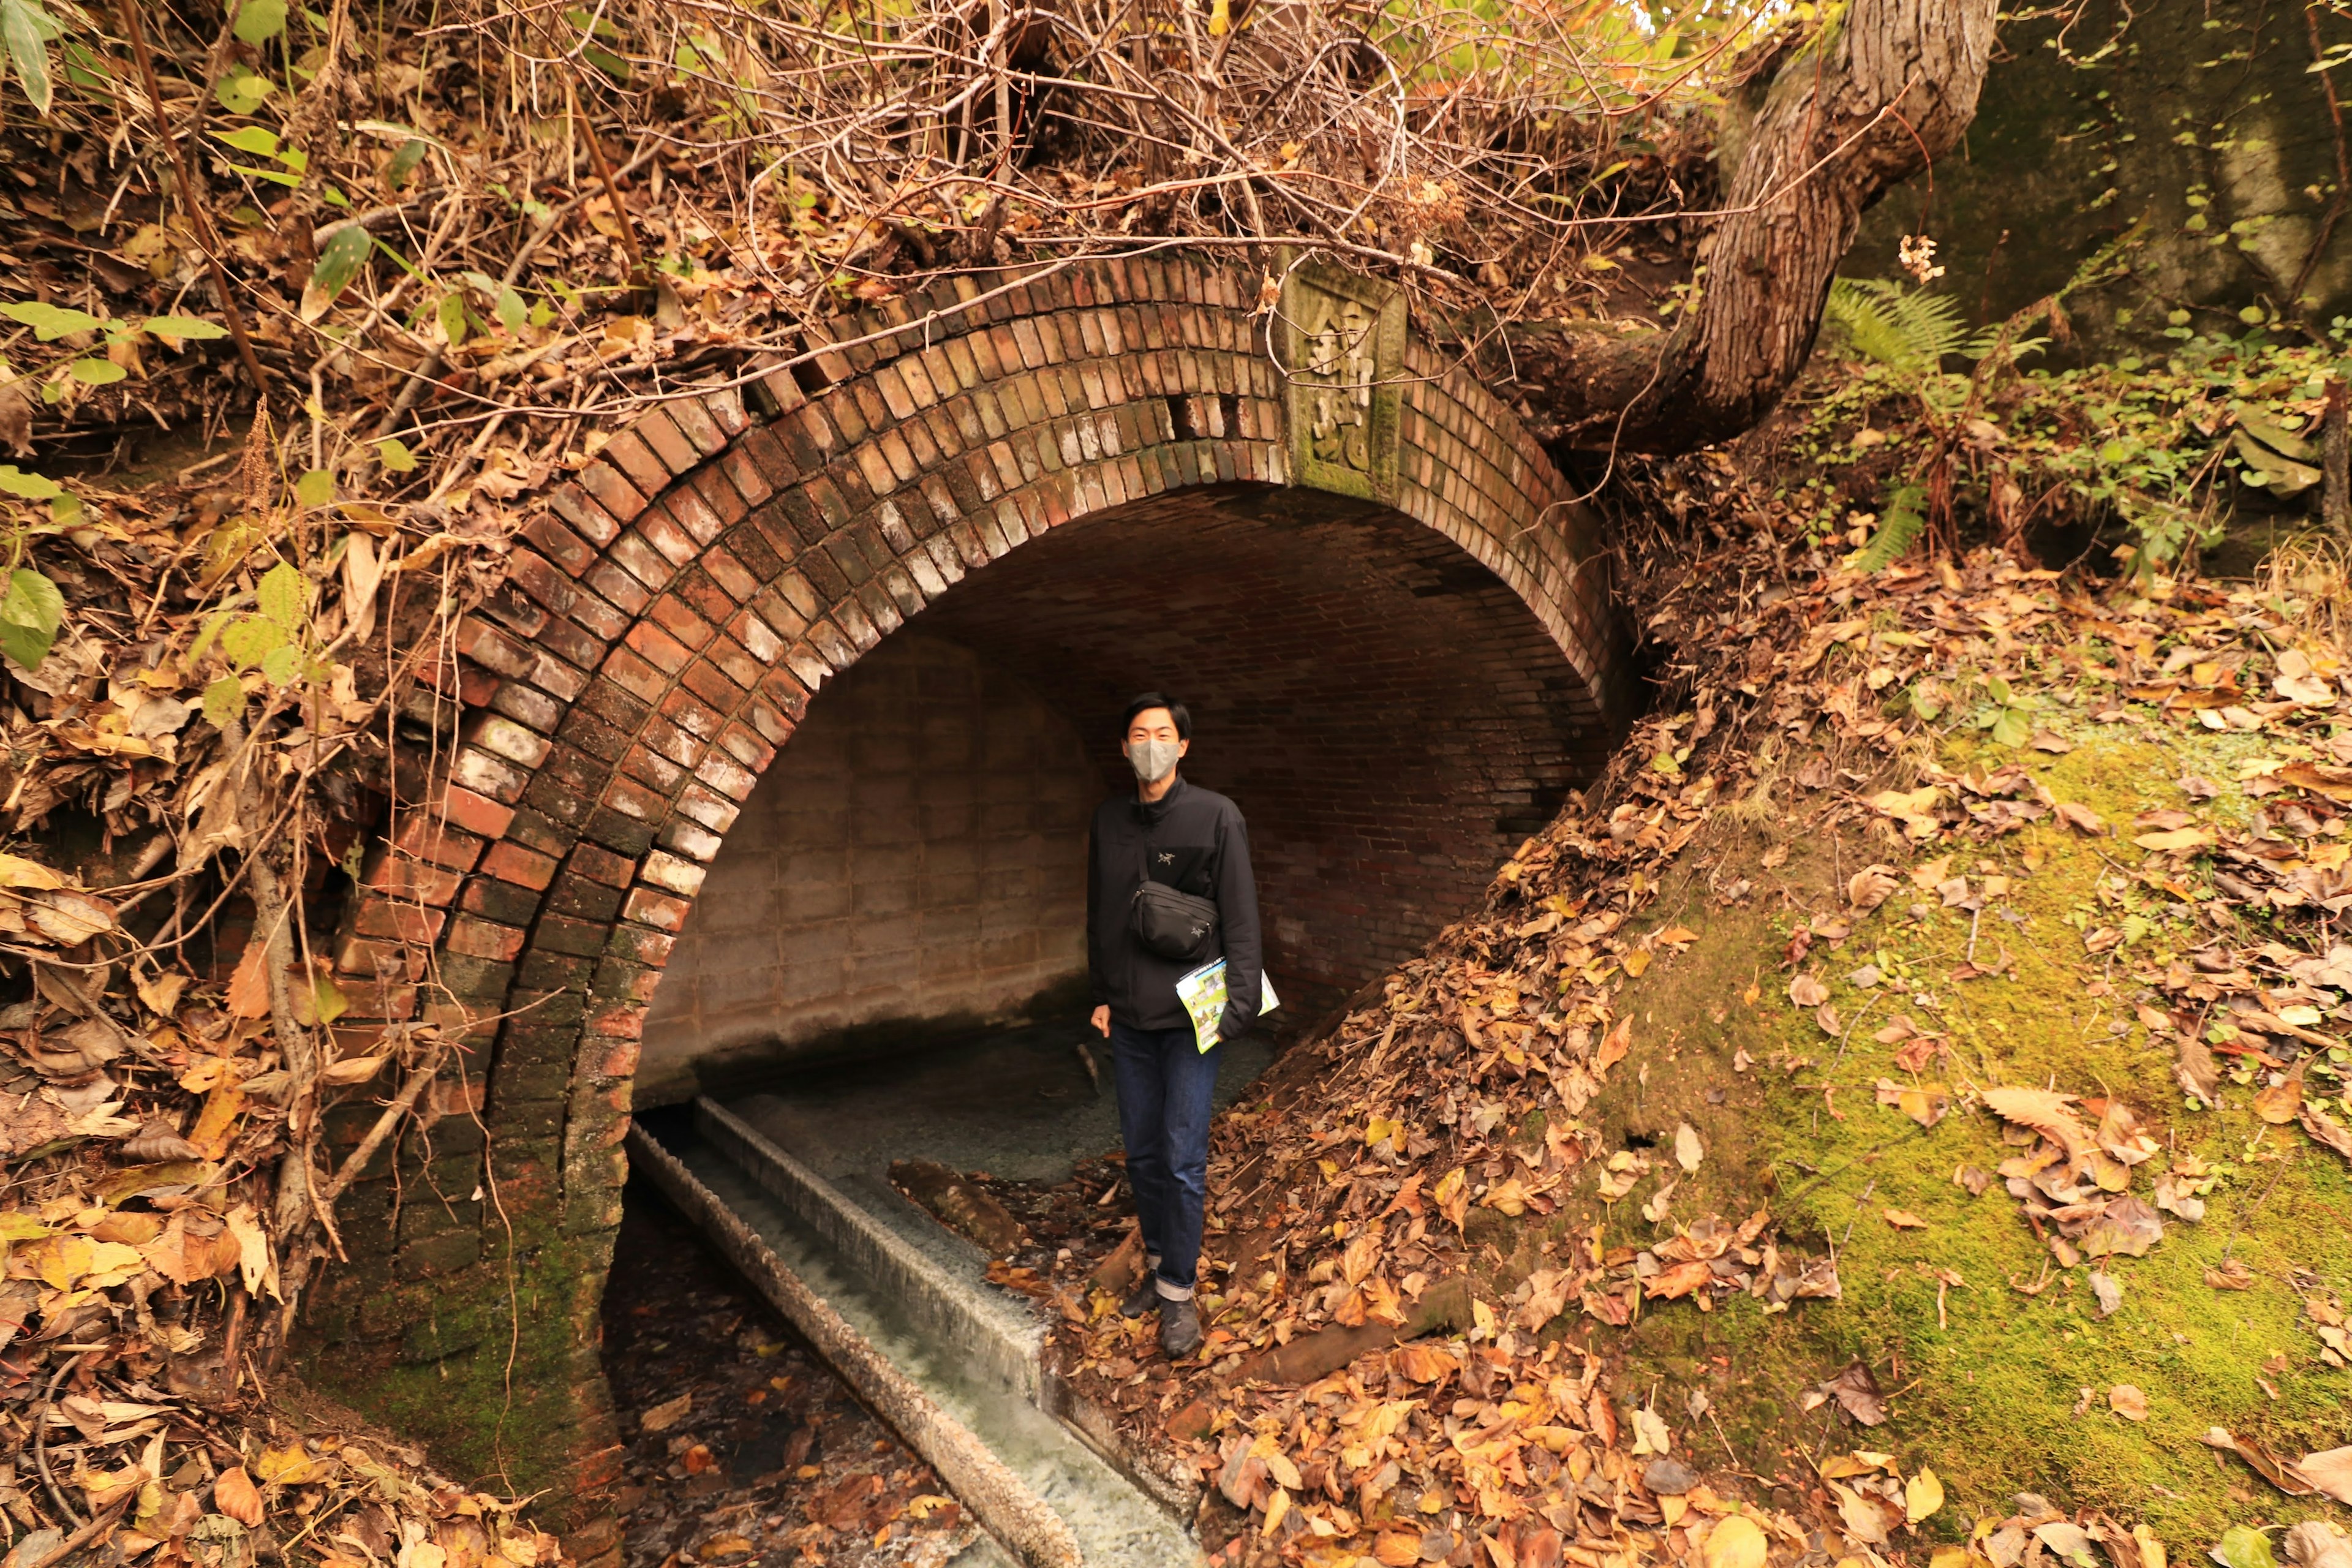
(1391, 717)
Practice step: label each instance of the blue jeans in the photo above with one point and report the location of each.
(1166, 1084)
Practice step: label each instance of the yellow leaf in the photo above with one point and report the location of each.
(1904, 1219)
(1736, 1541)
(62, 1260)
(15, 871)
(217, 1122)
(1636, 961)
(1922, 1495)
(2177, 838)
(111, 1263)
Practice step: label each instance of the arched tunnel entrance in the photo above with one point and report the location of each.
(782, 731)
(1391, 717)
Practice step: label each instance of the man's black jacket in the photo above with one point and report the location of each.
(1193, 840)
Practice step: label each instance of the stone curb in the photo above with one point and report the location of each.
(1006, 1507)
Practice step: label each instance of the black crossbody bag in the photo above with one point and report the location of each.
(1176, 925)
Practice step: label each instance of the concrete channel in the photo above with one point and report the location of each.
(899, 1306)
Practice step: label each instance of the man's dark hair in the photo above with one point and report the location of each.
(1145, 701)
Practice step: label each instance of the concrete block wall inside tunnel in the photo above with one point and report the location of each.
(670, 609)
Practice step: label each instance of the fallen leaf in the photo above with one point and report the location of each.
(2109, 1291)
(2242, 1546)
(2318, 1543)
(2325, 1129)
(666, 1414)
(2127, 1402)
(1736, 1541)
(235, 1495)
(1923, 1494)
(1871, 887)
(2282, 1102)
(1904, 1219)
(2081, 818)
(2231, 1276)
(1688, 1152)
(1857, 1393)
(2045, 1111)
(2330, 1470)
(1807, 991)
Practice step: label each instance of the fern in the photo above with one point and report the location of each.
(1907, 330)
(1900, 523)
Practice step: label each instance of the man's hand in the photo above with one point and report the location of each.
(1101, 1022)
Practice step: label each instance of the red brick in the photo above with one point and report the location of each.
(579, 509)
(626, 795)
(663, 532)
(693, 417)
(524, 868)
(436, 845)
(730, 575)
(623, 1020)
(478, 938)
(604, 484)
(628, 452)
(487, 646)
(562, 546)
(695, 515)
(400, 878)
(724, 408)
(475, 813)
(657, 430)
(660, 911)
(673, 615)
(600, 864)
(387, 920)
(660, 649)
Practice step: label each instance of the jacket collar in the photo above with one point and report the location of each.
(1154, 811)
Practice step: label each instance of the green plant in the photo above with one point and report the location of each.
(1900, 523)
(51, 322)
(1910, 330)
(2150, 442)
(271, 641)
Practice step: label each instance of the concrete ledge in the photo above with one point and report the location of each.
(998, 1499)
(1009, 1343)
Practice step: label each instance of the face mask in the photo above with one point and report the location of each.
(1151, 759)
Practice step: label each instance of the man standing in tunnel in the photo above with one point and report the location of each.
(1168, 891)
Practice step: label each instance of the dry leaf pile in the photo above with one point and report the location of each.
(189, 771)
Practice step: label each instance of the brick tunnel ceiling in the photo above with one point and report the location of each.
(1391, 718)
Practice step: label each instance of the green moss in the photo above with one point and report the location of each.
(498, 1373)
(1986, 1387)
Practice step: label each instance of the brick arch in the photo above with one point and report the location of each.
(667, 616)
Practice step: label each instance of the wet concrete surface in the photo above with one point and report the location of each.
(1020, 1106)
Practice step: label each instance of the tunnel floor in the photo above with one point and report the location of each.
(1020, 1105)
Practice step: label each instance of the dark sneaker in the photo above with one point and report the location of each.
(1180, 1329)
(1143, 1298)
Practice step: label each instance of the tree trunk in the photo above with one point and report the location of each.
(1876, 95)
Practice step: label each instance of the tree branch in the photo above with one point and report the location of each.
(1867, 102)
